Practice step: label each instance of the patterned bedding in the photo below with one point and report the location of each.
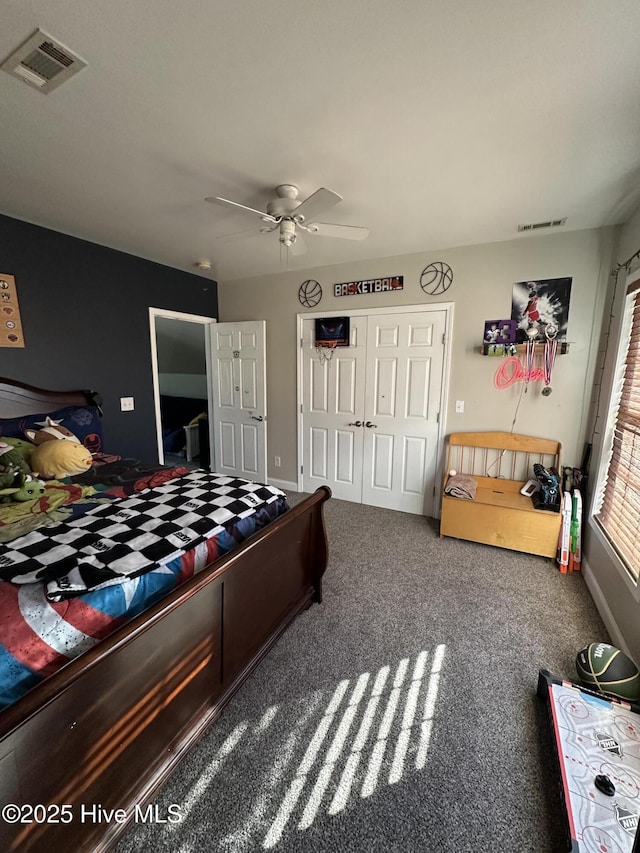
(39, 634)
(109, 477)
(130, 537)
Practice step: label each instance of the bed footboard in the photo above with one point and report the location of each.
(101, 736)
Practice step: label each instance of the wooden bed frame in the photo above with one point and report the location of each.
(109, 727)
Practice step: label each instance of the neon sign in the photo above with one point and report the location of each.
(511, 370)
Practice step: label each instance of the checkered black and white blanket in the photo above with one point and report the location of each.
(124, 539)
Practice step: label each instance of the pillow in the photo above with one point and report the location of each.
(83, 421)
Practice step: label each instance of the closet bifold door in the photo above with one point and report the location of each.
(370, 412)
(404, 365)
(333, 405)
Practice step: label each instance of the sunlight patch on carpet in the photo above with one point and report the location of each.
(366, 732)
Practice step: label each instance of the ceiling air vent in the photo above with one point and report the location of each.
(43, 62)
(552, 223)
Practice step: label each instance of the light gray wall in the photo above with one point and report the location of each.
(181, 346)
(183, 385)
(482, 289)
(616, 596)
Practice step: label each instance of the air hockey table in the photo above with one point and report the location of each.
(597, 744)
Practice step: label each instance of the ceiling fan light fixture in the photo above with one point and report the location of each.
(287, 232)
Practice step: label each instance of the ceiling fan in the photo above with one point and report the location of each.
(288, 215)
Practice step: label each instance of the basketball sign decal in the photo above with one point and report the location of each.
(436, 278)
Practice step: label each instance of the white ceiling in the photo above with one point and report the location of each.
(441, 122)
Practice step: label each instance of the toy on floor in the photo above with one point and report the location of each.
(606, 669)
(596, 746)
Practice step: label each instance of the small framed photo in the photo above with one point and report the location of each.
(494, 349)
(491, 332)
(508, 329)
(499, 332)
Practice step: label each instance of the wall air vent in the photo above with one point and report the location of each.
(43, 62)
(552, 223)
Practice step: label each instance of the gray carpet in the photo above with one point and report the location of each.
(399, 715)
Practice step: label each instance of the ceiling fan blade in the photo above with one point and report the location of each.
(299, 247)
(235, 235)
(346, 232)
(227, 203)
(319, 201)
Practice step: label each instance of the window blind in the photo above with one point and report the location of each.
(618, 503)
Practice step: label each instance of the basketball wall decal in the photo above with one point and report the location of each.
(608, 670)
(436, 278)
(310, 293)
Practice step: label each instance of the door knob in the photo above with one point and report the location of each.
(369, 425)
(356, 423)
(258, 418)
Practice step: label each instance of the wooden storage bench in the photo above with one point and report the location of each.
(501, 463)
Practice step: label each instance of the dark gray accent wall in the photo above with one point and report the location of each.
(84, 311)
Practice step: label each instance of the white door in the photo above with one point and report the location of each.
(370, 414)
(333, 406)
(239, 403)
(405, 360)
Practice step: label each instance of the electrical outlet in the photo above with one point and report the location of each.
(276, 461)
(126, 404)
(460, 406)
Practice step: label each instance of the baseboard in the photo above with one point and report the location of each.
(285, 485)
(603, 608)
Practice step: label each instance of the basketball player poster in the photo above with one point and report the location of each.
(541, 309)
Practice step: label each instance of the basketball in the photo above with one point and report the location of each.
(608, 670)
(436, 278)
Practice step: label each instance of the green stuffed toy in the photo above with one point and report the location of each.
(17, 486)
(11, 457)
(25, 448)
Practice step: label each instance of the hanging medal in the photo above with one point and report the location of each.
(550, 350)
(529, 356)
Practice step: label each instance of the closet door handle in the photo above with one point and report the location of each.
(258, 418)
(356, 423)
(369, 425)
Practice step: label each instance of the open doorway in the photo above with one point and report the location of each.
(180, 362)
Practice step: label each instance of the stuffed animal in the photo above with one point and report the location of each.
(23, 488)
(8, 478)
(10, 457)
(25, 448)
(51, 430)
(58, 459)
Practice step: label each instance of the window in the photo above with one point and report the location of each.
(617, 507)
